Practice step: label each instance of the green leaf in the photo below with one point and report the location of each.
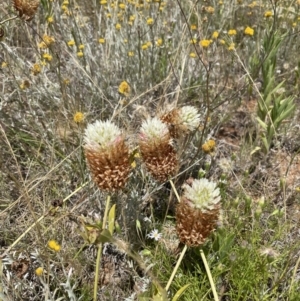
(118, 228)
(262, 124)
(284, 113)
(111, 219)
(257, 148)
(138, 224)
(266, 143)
(161, 294)
(146, 252)
(104, 236)
(180, 292)
(159, 297)
(142, 298)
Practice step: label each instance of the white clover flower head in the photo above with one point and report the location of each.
(154, 234)
(153, 129)
(203, 194)
(190, 117)
(101, 135)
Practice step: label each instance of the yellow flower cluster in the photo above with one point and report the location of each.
(209, 9)
(150, 21)
(47, 57)
(205, 43)
(124, 88)
(146, 45)
(36, 69)
(71, 43)
(50, 19)
(232, 32)
(47, 41)
(209, 146)
(78, 117)
(39, 271)
(268, 14)
(249, 31)
(54, 245)
(231, 47)
(215, 35)
(159, 42)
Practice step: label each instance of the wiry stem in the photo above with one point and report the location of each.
(184, 249)
(211, 281)
(9, 19)
(176, 267)
(175, 191)
(99, 252)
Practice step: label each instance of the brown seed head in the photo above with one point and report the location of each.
(162, 164)
(194, 226)
(26, 8)
(107, 155)
(110, 168)
(158, 154)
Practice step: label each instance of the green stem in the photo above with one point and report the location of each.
(77, 254)
(291, 290)
(176, 268)
(99, 252)
(211, 281)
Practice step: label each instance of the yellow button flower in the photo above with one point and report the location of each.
(159, 42)
(249, 31)
(36, 69)
(71, 43)
(215, 35)
(232, 32)
(209, 146)
(150, 21)
(231, 47)
(47, 57)
(205, 43)
(54, 245)
(268, 14)
(124, 88)
(78, 117)
(39, 271)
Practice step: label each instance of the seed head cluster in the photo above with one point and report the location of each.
(108, 155)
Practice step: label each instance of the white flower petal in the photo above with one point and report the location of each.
(101, 134)
(153, 129)
(203, 194)
(189, 117)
